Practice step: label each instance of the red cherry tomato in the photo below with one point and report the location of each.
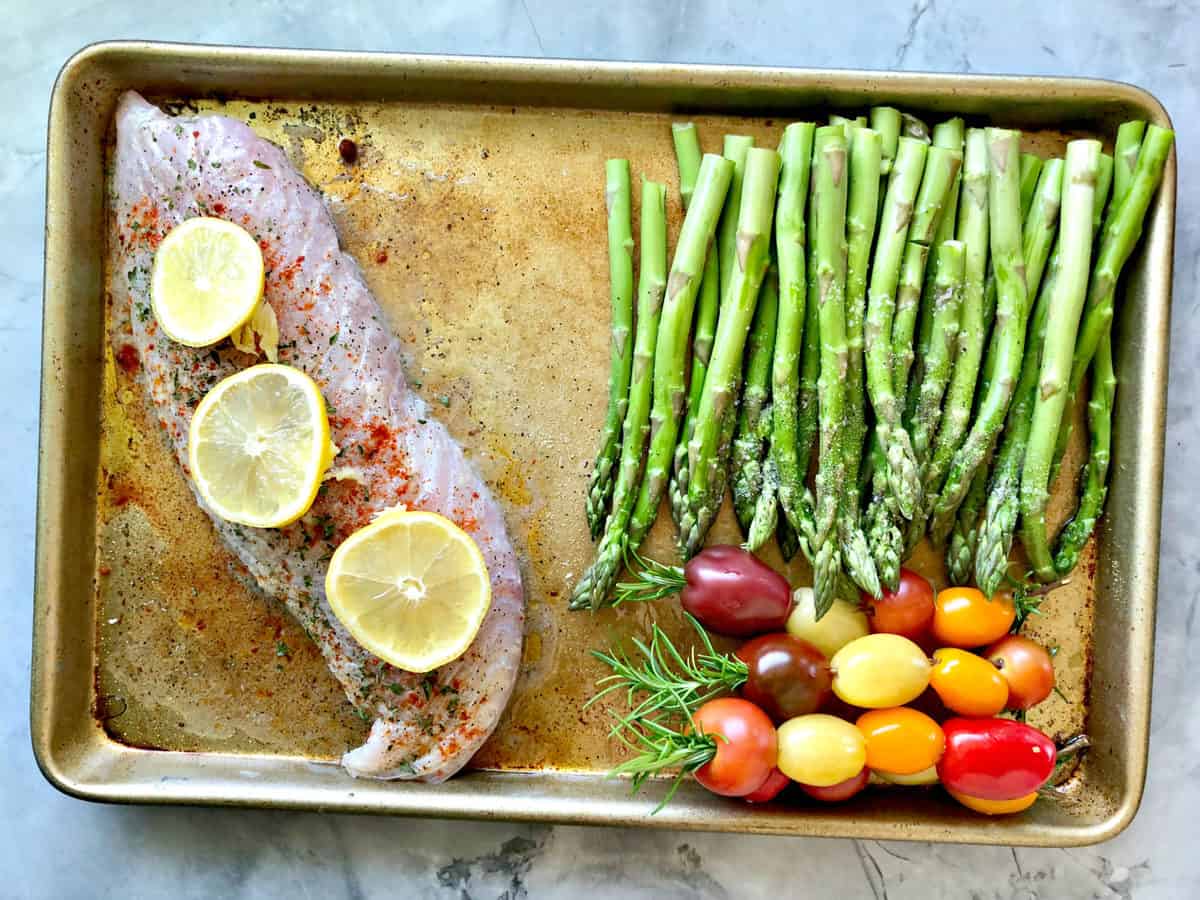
(771, 788)
(967, 617)
(840, 792)
(787, 677)
(1027, 668)
(995, 759)
(745, 746)
(906, 611)
(733, 592)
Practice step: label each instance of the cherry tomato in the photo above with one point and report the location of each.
(771, 788)
(995, 807)
(968, 684)
(901, 740)
(906, 611)
(833, 631)
(787, 677)
(917, 779)
(880, 670)
(995, 759)
(820, 750)
(1026, 667)
(746, 746)
(840, 792)
(733, 592)
(966, 617)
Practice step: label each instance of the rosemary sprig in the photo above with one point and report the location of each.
(672, 682)
(660, 748)
(654, 580)
(1027, 597)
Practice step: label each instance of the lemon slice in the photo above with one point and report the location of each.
(412, 588)
(258, 446)
(207, 281)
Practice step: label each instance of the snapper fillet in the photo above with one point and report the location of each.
(168, 169)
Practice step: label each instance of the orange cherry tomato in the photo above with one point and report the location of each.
(994, 807)
(901, 740)
(968, 684)
(966, 617)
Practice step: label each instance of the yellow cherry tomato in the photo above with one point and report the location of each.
(924, 777)
(879, 671)
(901, 740)
(820, 750)
(968, 684)
(994, 807)
(966, 617)
(833, 631)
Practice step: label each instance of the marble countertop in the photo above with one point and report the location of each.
(60, 847)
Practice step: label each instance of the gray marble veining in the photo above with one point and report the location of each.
(58, 847)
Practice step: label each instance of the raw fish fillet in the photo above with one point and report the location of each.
(168, 169)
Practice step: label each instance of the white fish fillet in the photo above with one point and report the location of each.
(168, 169)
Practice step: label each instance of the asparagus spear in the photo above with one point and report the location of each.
(1062, 323)
(947, 301)
(1122, 229)
(862, 209)
(790, 249)
(594, 587)
(687, 155)
(947, 134)
(670, 350)
(941, 171)
(1075, 535)
(1012, 310)
(912, 127)
(753, 427)
(973, 233)
(1031, 176)
(885, 120)
(901, 468)
(961, 552)
(830, 179)
(987, 544)
(617, 195)
(995, 534)
(881, 522)
(753, 238)
(736, 147)
(1125, 156)
(1104, 384)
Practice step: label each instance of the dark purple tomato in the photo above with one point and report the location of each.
(733, 592)
(771, 788)
(787, 677)
(840, 792)
(995, 759)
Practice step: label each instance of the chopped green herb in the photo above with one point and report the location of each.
(308, 581)
(260, 164)
(334, 337)
(143, 312)
(395, 688)
(362, 714)
(328, 407)
(191, 163)
(444, 400)
(421, 421)
(282, 649)
(416, 382)
(427, 686)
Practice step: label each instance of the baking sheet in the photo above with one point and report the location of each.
(480, 227)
